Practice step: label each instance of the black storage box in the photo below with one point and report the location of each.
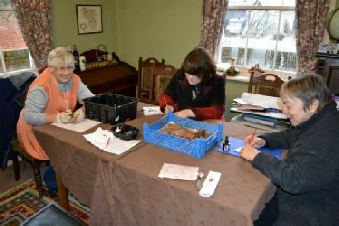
(111, 108)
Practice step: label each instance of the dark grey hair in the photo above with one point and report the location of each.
(307, 88)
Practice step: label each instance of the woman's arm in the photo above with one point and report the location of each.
(35, 102)
(83, 92)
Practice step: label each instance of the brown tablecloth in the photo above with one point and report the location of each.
(126, 190)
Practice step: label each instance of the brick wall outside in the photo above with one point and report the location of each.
(14, 49)
(10, 34)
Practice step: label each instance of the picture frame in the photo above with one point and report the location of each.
(89, 19)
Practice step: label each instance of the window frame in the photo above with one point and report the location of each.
(5, 73)
(244, 69)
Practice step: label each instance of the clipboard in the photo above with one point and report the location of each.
(238, 143)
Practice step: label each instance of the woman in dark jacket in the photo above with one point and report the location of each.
(308, 178)
(195, 91)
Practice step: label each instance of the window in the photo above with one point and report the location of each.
(260, 31)
(14, 54)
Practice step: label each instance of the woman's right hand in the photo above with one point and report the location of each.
(257, 142)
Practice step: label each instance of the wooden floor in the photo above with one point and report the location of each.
(7, 180)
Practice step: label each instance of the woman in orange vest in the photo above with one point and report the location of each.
(52, 97)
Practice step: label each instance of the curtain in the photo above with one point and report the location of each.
(311, 19)
(35, 21)
(213, 17)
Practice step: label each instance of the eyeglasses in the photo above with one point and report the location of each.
(61, 69)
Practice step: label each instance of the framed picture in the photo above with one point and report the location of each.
(89, 19)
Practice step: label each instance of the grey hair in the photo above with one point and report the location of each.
(307, 88)
(60, 56)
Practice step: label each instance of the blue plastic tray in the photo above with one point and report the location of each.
(195, 148)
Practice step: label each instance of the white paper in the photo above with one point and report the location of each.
(152, 110)
(106, 141)
(239, 101)
(77, 127)
(210, 183)
(262, 100)
(238, 149)
(180, 172)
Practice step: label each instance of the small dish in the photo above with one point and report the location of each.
(125, 132)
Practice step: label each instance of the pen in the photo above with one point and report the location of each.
(124, 123)
(107, 142)
(253, 134)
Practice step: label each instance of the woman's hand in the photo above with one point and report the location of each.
(257, 142)
(247, 152)
(169, 108)
(185, 113)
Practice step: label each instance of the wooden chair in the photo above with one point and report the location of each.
(266, 84)
(162, 76)
(18, 151)
(35, 164)
(146, 78)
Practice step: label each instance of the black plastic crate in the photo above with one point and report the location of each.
(111, 108)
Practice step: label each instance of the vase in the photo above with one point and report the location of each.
(83, 65)
(232, 70)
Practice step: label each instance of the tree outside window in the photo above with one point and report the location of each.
(260, 32)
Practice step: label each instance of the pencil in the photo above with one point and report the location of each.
(253, 134)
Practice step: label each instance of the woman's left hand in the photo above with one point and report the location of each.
(78, 116)
(185, 113)
(169, 108)
(247, 152)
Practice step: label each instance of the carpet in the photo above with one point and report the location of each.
(18, 204)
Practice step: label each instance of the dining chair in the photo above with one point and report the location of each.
(146, 78)
(266, 84)
(162, 77)
(19, 152)
(35, 164)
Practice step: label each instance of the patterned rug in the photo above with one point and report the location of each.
(23, 201)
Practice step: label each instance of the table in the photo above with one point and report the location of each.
(126, 190)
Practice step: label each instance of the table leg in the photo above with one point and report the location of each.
(63, 194)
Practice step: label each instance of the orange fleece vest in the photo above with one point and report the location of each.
(57, 102)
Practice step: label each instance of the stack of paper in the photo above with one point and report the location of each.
(262, 100)
(260, 105)
(260, 111)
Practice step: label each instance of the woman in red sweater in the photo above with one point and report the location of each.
(195, 91)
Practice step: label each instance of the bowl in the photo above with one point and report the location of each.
(125, 132)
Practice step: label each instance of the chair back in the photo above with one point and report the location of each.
(266, 84)
(162, 76)
(146, 77)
